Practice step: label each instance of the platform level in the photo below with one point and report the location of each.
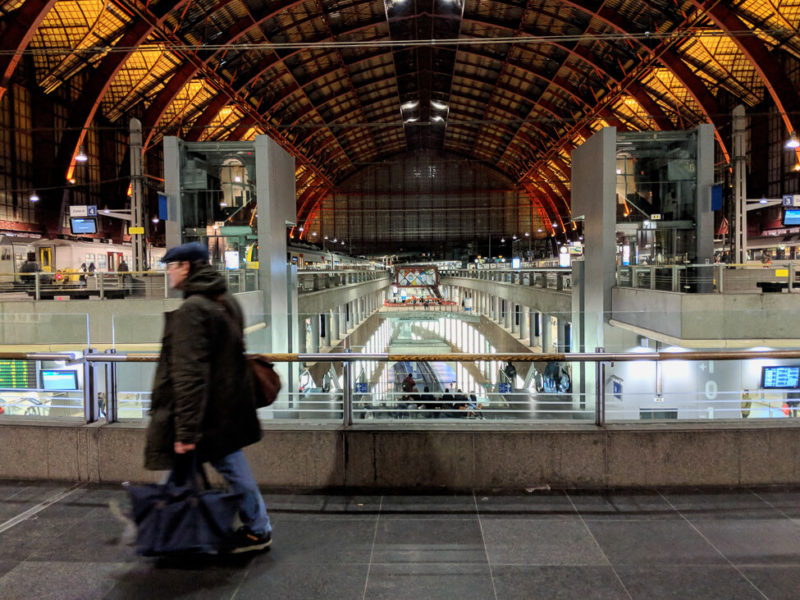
(61, 541)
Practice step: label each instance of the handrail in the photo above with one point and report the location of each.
(96, 398)
(586, 357)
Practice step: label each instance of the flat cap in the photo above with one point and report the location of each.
(191, 252)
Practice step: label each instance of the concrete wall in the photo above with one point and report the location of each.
(723, 320)
(479, 457)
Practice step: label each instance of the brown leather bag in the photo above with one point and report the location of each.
(267, 381)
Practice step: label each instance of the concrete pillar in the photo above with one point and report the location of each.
(334, 319)
(512, 316)
(524, 328)
(507, 314)
(545, 333)
(302, 335)
(326, 320)
(314, 333)
(532, 316)
(343, 320)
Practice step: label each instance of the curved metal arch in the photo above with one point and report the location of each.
(769, 70)
(18, 34)
(549, 206)
(693, 84)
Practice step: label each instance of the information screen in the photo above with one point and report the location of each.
(780, 378)
(17, 374)
(87, 225)
(791, 216)
(59, 380)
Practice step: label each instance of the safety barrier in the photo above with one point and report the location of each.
(577, 387)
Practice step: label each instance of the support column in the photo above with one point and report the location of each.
(302, 335)
(523, 324)
(512, 314)
(334, 319)
(532, 316)
(314, 333)
(342, 320)
(326, 322)
(545, 333)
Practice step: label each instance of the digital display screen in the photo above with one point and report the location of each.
(59, 380)
(791, 216)
(83, 225)
(780, 378)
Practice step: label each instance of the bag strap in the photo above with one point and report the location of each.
(188, 470)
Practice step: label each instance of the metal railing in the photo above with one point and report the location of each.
(314, 280)
(106, 284)
(710, 278)
(594, 392)
(557, 279)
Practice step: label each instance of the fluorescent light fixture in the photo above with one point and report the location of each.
(81, 156)
(409, 105)
(793, 142)
(34, 197)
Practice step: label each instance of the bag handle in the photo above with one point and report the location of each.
(188, 470)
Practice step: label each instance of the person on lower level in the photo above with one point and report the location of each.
(203, 396)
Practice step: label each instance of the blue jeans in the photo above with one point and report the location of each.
(236, 471)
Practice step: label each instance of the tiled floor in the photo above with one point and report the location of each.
(62, 542)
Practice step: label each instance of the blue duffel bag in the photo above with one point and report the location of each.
(184, 515)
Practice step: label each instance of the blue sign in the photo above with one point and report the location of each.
(91, 210)
(361, 388)
(504, 388)
(163, 212)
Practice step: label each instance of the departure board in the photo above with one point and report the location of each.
(18, 374)
(780, 378)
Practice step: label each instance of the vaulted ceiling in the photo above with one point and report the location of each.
(341, 84)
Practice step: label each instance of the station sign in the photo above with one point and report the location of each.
(361, 388)
(83, 210)
(134, 230)
(791, 200)
(503, 388)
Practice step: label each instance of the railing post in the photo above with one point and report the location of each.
(600, 391)
(676, 279)
(112, 401)
(347, 396)
(720, 285)
(37, 286)
(100, 279)
(90, 408)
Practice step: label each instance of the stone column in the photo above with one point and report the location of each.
(334, 322)
(314, 334)
(545, 334)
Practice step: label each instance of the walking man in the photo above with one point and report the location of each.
(203, 396)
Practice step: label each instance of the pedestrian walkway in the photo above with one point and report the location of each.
(62, 542)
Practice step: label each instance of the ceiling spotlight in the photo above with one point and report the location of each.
(793, 142)
(342, 242)
(438, 105)
(237, 179)
(155, 219)
(409, 105)
(555, 225)
(797, 167)
(313, 233)
(223, 204)
(326, 237)
(539, 230)
(72, 181)
(762, 201)
(34, 197)
(335, 240)
(502, 240)
(619, 171)
(106, 211)
(81, 155)
(527, 234)
(300, 228)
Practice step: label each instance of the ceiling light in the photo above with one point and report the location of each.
(155, 219)
(34, 197)
(619, 171)
(502, 240)
(438, 105)
(539, 230)
(300, 228)
(237, 179)
(313, 233)
(326, 237)
(335, 240)
(792, 142)
(797, 167)
(527, 234)
(555, 225)
(409, 105)
(105, 210)
(223, 204)
(762, 201)
(81, 156)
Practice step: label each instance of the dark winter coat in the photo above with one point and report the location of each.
(203, 388)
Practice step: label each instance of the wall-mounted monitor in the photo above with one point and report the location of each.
(791, 216)
(83, 225)
(780, 378)
(59, 380)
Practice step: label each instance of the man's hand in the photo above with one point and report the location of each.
(181, 448)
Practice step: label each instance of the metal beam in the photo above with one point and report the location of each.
(21, 25)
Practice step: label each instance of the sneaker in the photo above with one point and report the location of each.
(245, 540)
